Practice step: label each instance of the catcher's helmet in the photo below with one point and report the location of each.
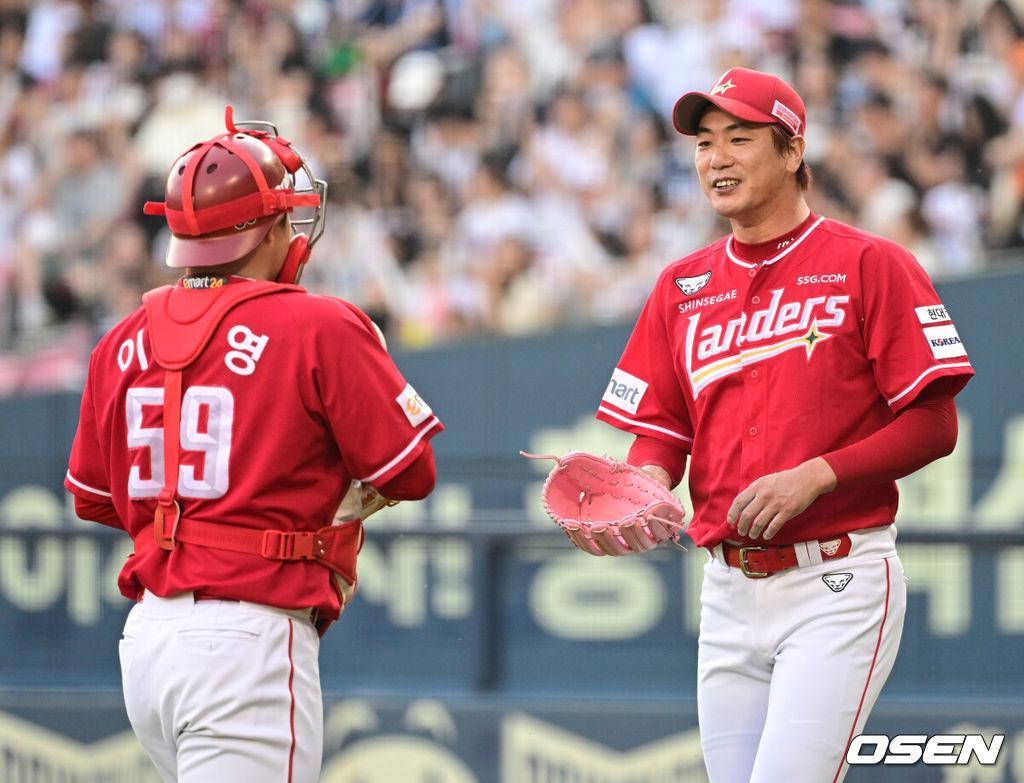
(223, 195)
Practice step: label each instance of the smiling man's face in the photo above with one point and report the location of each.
(743, 174)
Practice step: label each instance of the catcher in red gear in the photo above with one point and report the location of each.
(222, 426)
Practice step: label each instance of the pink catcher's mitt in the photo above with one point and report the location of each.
(607, 507)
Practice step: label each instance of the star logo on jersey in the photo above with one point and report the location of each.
(812, 338)
(721, 87)
(837, 582)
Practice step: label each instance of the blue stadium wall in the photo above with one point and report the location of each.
(481, 647)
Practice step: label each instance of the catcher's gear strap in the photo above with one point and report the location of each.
(182, 321)
(295, 261)
(168, 512)
(240, 210)
(266, 201)
(335, 546)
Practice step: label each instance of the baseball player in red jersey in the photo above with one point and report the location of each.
(222, 424)
(801, 366)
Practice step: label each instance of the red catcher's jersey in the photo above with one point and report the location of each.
(292, 398)
(755, 369)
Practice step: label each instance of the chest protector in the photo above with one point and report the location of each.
(181, 323)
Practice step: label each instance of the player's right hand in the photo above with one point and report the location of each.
(760, 510)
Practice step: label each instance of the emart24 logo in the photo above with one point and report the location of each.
(938, 749)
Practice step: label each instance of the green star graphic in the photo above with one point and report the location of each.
(812, 337)
(720, 88)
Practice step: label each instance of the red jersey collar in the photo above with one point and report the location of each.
(761, 252)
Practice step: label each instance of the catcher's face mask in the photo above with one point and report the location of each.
(223, 195)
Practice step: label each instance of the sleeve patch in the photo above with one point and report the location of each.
(414, 408)
(944, 341)
(932, 314)
(625, 391)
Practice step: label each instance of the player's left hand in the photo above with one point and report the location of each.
(361, 501)
(767, 504)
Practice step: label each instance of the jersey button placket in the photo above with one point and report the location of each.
(754, 457)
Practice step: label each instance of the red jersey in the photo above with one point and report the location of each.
(753, 369)
(292, 398)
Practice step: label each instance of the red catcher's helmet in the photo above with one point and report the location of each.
(223, 195)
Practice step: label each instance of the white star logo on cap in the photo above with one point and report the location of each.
(722, 87)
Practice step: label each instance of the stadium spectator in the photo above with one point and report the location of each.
(495, 163)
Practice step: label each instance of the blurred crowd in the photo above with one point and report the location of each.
(494, 166)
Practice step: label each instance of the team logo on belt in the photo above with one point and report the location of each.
(830, 547)
(837, 582)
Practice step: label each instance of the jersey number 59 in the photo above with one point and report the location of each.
(206, 419)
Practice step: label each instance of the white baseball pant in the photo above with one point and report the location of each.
(789, 668)
(224, 690)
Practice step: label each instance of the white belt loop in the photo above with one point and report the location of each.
(179, 605)
(178, 599)
(808, 554)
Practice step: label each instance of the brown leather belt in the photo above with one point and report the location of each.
(758, 562)
(199, 595)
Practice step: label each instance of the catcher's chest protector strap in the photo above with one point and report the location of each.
(182, 321)
(181, 325)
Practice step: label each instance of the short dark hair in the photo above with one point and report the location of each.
(782, 139)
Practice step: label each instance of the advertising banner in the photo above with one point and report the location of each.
(481, 647)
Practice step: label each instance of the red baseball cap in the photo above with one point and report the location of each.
(750, 95)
